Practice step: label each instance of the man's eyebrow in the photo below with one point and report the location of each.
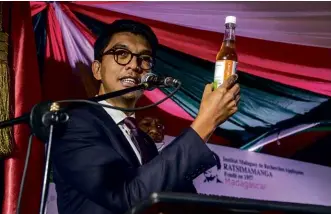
(124, 46)
(120, 45)
(147, 52)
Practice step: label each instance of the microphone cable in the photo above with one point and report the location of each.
(119, 108)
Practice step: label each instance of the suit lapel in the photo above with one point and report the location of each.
(116, 136)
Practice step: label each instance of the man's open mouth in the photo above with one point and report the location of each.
(129, 81)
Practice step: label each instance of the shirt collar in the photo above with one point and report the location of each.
(117, 115)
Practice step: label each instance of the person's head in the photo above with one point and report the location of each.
(212, 173)
(123, 53)
(153, 127)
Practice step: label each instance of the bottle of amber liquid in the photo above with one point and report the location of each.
(226, 59)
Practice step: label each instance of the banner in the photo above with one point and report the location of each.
(246, 174)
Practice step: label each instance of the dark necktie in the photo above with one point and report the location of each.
(143, 142)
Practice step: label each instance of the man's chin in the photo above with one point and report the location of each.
(158, 140)
(132, 96)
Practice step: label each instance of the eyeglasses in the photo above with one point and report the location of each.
(124, 57)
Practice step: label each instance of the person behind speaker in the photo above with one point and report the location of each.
(154, 127)
(100, 163)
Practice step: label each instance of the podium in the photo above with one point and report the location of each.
(183, 203)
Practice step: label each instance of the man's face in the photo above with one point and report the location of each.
(115, 76)
(153, 127)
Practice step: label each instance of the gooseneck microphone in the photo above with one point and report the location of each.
(155, 81)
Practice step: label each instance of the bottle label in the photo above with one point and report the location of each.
(223, 70)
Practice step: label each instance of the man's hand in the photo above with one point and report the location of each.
(216, 107)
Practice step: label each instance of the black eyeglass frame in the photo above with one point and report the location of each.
(112, 51)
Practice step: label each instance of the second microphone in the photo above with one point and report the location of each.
(155, 81)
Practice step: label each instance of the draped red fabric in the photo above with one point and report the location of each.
(299, 66)
(59, 82)
(37, 7)
(288, 146)
(81, 27)
(100, 2)
(25, 85)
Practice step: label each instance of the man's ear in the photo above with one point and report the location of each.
(96, 69)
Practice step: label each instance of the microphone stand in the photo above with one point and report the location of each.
(43, 119)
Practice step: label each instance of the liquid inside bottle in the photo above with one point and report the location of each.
(226, 59)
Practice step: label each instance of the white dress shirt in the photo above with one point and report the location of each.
(119, 116)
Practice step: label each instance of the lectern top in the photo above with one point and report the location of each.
(183, 203)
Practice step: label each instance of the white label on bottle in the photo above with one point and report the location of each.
(223, 70)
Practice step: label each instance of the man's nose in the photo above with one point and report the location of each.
(153, 131)
(134, 65)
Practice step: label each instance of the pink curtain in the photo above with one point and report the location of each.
(300, 66)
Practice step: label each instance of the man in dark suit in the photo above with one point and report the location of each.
(102, 163)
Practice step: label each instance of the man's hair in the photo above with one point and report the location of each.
(218, 161)
(124, 25)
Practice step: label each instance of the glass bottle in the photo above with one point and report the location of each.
(226, 59)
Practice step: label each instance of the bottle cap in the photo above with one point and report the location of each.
(230, 19)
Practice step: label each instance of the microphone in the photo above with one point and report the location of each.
(155, 81)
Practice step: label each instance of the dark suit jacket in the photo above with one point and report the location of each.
(97, 172)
